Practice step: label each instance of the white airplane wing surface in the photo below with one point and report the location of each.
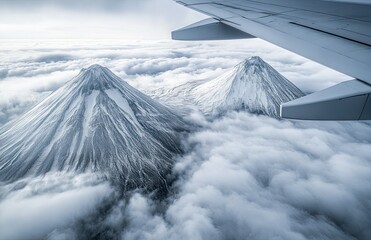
(334, 33)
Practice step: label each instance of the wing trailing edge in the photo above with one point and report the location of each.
(209, 29)
(346, 101)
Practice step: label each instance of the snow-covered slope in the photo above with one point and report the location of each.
(96, 122)
(253, 85)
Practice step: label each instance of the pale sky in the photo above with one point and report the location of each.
(98, 19)
(95, 19)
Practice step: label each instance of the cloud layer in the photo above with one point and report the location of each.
(33, 208)
(243, 176)
(29, 70)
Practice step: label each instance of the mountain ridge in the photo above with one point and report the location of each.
(252, 85)
(95, 122)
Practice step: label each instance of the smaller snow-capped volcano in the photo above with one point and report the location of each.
(252, 85)
(96, 122)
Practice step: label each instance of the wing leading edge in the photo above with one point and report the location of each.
(335, 34)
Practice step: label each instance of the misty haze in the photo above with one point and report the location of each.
(111, 130)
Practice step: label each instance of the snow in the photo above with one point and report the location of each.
(251, 85)
(90, 103)
(117, 97)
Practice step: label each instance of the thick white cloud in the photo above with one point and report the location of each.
(266, 178)
(248, 176)
(33, 208)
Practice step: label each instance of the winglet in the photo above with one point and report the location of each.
(209, 29)
(346, 101)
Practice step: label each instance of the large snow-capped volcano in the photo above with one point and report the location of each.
(252, 85)
(96, 122)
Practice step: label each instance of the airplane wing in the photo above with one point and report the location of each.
(334, 33)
